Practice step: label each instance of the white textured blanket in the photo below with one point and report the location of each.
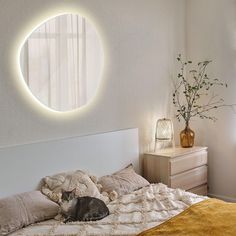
(129, 214)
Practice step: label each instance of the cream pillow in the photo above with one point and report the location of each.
(24, 209)
(84, 184)
(123, 182)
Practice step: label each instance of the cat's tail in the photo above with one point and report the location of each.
(97, 217)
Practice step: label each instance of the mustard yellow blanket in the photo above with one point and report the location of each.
(209, 217)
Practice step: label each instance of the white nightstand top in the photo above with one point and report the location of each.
(177, 151)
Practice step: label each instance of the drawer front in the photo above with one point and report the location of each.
(200, 190)
(155, 169)
(187, 162)
(189, 179)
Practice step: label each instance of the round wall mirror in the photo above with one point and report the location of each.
(61, 62)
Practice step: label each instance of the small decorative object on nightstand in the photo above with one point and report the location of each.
(191, 87)
(178, 168)
(164, 136)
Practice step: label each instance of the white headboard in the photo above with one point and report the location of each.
(22, 167)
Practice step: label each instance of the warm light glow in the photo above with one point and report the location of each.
(23, 87)
(164, 133)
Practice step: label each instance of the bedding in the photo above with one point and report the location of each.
(123, 181)
(84, 184)
(130, 214)
(209, 217)
(24, 209)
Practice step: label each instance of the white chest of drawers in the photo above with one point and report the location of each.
(184, 168)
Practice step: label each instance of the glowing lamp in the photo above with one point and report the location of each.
(164, 136)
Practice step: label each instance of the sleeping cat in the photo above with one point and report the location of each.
(82, 208)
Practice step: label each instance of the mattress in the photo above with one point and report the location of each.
(129, 215)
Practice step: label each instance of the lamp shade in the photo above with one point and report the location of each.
(164, 132)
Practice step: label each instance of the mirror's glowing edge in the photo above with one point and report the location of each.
(23, 82)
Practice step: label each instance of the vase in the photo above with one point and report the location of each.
(187, 137)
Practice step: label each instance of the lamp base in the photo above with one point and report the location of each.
(163, 145)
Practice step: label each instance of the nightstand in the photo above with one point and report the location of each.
(184, 168)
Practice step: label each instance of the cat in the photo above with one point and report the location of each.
(82, 208)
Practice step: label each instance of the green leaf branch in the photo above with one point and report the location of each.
(190, 87)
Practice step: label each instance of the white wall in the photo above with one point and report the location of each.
(141, 40)
(211, 35)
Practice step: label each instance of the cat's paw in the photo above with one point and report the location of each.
(68, 220)
(59, 217)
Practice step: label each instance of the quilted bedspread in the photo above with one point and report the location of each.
(129, 214)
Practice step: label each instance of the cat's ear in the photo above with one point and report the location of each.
(73, 192)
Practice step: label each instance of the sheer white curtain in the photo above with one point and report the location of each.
(61, 62)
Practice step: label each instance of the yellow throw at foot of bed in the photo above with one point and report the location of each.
(210, 217)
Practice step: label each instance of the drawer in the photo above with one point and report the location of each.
(200, 190)
(187, 162)
(189, 179)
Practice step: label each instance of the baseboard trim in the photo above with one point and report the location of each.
(227, 199)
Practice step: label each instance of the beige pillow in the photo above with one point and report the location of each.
(24, 209)
(84, 184)
(123, 182)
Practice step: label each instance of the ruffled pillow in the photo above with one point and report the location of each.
(85, 185)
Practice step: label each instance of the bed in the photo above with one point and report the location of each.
(130, 213)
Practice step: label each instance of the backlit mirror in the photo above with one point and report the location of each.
(61, 62)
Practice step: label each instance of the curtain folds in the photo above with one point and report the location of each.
(61, 62)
